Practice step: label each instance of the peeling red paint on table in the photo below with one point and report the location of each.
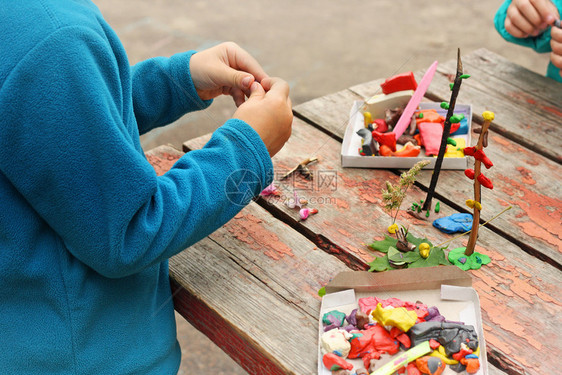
(250, 230)
(544, 213)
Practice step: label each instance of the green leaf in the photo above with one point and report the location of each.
(408, 257)
(417, 241)
(383, 245)
(322, 291)
(380, 264)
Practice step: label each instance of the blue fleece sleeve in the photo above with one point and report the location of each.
(540, 43)
(163, 91)
(69, 154)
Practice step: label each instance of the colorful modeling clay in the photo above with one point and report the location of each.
(431, 134)
(380, 125)
(430, 365)
(396, 317)
(335, 341)
(368, 147)
(450, 335)
(455, 223)
(429, 115)
(408, 151)
(400, 82)
(304, 213)
(412, 354)
(333, 319)
(334, 362)
(370, 343)
(387, 139)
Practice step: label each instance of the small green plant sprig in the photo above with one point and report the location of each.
(394, 195)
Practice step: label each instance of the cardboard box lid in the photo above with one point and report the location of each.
(402, 279)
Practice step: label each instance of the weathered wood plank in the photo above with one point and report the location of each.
(520, 295)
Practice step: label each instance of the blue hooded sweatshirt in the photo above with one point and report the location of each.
(540, 43)
(86, 226)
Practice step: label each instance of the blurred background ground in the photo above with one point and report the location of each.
(319, 47)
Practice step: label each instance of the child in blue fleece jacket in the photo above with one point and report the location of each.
(86, 226)
(527, 23)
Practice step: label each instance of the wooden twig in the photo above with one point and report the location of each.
(446, 132)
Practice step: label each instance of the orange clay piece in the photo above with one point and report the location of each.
(385, 150)
(429, 115)
(409, 150)
(425, 364)
(472, 365)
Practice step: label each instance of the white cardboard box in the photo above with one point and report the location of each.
(446, 287)
(350, 156)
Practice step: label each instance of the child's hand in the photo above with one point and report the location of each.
(556, 45)
(268, 111)
(529, 17)
(225, 69)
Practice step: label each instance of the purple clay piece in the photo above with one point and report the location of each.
(462, 260)
(352, 317)
(434, 315)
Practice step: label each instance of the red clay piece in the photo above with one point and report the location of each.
(334, 362)
(388, 139)
(400, 82)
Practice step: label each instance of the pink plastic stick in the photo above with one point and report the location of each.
(406, 117)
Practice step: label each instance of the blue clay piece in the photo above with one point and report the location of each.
(463, 129)
(455, 223)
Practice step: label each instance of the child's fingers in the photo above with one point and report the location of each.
(239, 59)
(556, 45)
(276, 86)
(516, 24)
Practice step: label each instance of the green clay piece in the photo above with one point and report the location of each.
(437, 207)
(322, 291)
(340, 317)
(451, 141)
(454, 119)
(419, 209)
(464, 262)
(465, 76)
(420, 115)
(427, 213)
(444, 105)
(451, 86)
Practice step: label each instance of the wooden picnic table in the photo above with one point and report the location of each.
(252, 286)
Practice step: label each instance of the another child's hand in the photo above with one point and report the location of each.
(225, 69)
(529, 17)
(556, 45)
(268, 111)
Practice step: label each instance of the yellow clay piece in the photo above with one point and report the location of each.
(393, 228)
(488, 115)
(368, 118)
(440, 353)
(424, 250)
(474, 204)
(396, 317)
(456, 151)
